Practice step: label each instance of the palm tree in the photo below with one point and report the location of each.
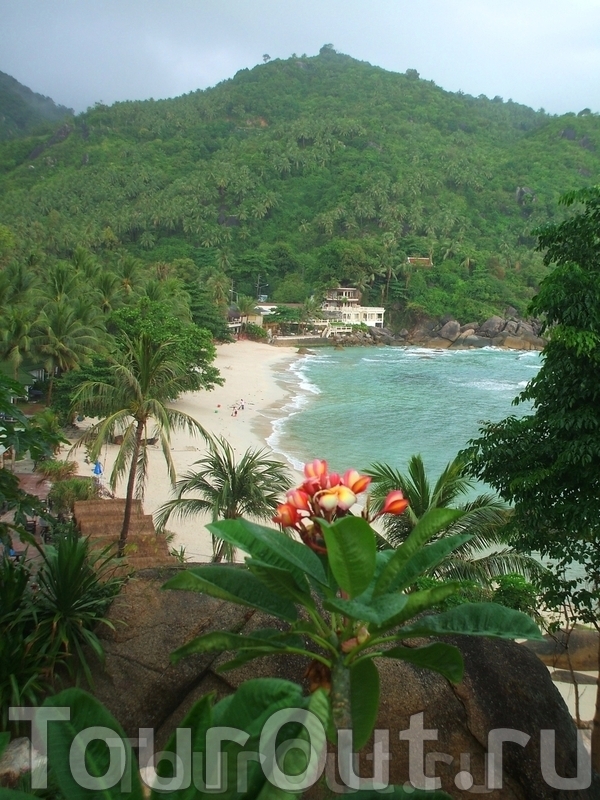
(246, 306)
(62, 340)
(144, 379)
(485, 518)
(227, 489)
(15, 337)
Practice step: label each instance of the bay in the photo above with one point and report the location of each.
(360, 405)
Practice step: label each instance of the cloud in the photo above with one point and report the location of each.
(542, 52)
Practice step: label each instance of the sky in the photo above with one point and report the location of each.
(544, 53)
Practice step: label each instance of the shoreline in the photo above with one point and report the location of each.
(250, 371)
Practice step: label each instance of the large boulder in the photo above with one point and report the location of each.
(451, 330)
(577, 649)
(505, 686)
(492, 326)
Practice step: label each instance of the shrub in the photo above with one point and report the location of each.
(515, 592)
(64, 494)
(255, 332)
(55, 470)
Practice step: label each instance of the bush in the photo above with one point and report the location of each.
(55, 470)
(64, 494)
(255, 332)
(514, 591)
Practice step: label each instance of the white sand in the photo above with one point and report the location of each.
(248, 371)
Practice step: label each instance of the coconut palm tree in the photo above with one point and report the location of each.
(62, 340)
(144, 379)
(227, 489)
(483, 557)
(246, 306)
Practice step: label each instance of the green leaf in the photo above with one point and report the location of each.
(282, 582)
(377, 611)
(439, 657)
(427, 559)
(295, 760)
(432, 522)
(271, 546)
(364, 701)
(198, 720)
(221, 641)
(351, 551)
(236, 585)
(64, 747)
(476, 619)
(418, 602)
(267, 634)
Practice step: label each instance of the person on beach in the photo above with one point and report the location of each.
(234, 412)
(241, 405)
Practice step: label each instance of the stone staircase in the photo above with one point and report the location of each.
(101, 521)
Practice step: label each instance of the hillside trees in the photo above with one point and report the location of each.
(548, 463)
(264, 174)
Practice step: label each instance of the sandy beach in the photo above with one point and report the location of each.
(249, 371)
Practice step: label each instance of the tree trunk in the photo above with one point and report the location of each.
(130, 487)
(596, 724)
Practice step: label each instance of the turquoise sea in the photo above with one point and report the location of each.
(360, 405)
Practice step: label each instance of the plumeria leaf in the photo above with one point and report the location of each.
(475, 619)
(364, 701)
(66, 747)
(271, 546)
(198, 720)
(281, 581)
(221, 641)
(235, 585)
(379, 611)
(439, 657)
(416, 603)
(426, 559)
(432, 522)
(351, 551)
(295, 761)
(269, 635)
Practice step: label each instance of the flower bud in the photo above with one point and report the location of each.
(287, 515)
(395, 503)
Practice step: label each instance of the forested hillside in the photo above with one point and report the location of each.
(301, 173)
(22, 111)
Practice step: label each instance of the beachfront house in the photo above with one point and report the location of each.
(342, 309)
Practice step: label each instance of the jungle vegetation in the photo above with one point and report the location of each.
(293, 176)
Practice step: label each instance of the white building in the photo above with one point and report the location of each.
(342, 305)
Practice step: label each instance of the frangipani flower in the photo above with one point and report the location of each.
(355, 481)
(328, 496)
(395, 503)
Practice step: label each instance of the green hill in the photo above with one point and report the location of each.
(22, 111)
(306, 172)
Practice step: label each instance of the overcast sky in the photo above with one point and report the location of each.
(545, 53)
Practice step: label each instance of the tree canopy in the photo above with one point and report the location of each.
(301, 172)
(548, 462)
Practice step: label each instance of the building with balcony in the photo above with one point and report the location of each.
(342, 306)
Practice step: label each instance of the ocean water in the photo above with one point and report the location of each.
(360, 405)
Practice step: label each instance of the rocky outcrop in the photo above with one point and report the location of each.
(577, 649)
(510, 333)
(505, 686)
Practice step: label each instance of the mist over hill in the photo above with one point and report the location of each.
(22, 110)
(307, 172)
